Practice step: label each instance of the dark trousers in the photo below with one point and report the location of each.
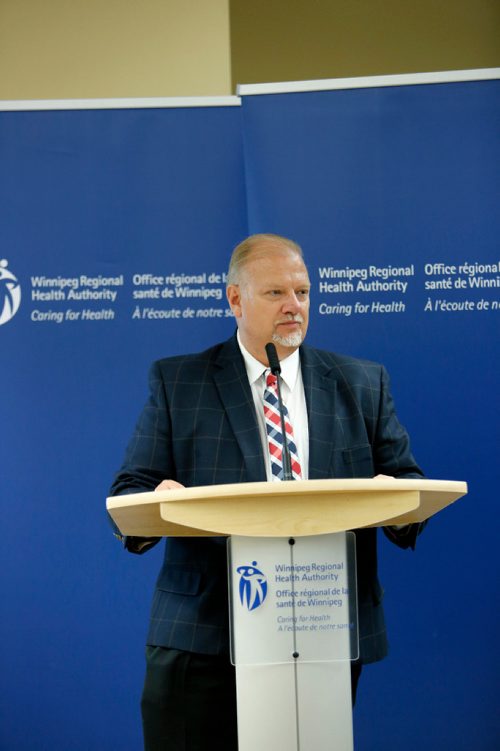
(189, 701)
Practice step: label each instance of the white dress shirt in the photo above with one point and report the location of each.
(293, 396)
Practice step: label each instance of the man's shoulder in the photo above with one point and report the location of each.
(341, 363)
(189, 357)
(197, 361)
(354, 376)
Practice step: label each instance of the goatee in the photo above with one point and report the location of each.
(291, 340)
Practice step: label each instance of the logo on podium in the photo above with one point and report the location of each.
(253, 586)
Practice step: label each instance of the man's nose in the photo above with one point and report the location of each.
(291, 304)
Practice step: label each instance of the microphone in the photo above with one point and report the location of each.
(275, 366)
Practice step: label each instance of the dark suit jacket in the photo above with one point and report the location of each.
(200, 428)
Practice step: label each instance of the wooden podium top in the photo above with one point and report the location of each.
(282, 509)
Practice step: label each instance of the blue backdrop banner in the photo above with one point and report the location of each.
(115, 233)
(394, 194)
(114, 240)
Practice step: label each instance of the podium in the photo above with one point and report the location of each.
(292, 588)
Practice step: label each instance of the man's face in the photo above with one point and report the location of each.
(271, 302)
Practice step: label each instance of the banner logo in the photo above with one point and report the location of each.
(10, 293)
(253, 586)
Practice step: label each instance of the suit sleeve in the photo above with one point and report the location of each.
(148, 457)
(393, 456)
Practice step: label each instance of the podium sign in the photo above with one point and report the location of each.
(293, 599)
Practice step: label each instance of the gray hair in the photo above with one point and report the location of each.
(242, 252)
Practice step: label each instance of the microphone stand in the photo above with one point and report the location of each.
(275, 367)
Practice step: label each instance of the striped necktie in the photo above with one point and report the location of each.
(274, 432)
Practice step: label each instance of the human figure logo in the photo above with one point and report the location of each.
(253, 586)
(10, 293)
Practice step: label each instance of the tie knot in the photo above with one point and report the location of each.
(271, 380)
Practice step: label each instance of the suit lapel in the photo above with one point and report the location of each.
(235, 393)
(320, 388)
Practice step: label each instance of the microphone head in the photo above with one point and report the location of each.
(273, 358)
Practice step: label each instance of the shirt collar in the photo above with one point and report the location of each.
(255, 369)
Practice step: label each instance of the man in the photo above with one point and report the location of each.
(204, 424)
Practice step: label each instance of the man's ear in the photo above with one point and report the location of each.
(233, 295)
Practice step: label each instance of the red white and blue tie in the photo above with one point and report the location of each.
(275, 434)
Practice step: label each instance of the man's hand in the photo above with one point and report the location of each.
(169, 485)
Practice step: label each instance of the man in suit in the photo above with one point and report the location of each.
(204, 425)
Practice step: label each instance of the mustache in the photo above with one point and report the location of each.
(297, 318)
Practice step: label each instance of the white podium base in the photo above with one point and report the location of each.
(295, 707)
(294, 630)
